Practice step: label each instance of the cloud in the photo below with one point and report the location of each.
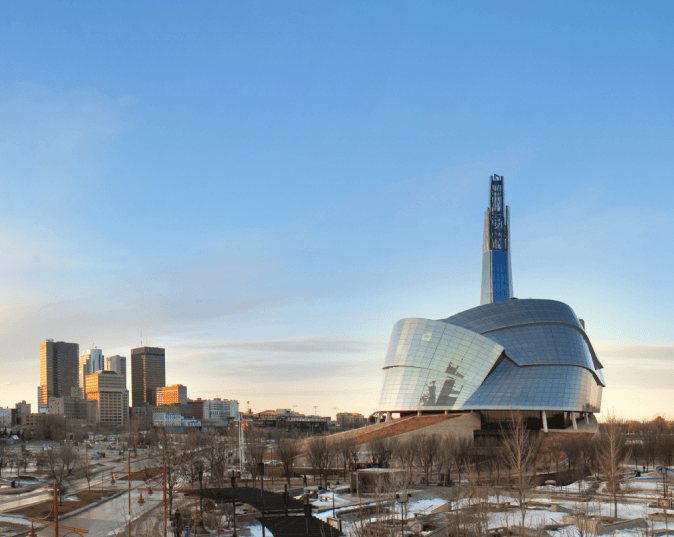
(299, 345)
(618, 352)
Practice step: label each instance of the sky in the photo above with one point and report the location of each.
(265, 188)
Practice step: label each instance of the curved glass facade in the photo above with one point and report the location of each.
(514, 354)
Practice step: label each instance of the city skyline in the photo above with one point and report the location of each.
(264, 190)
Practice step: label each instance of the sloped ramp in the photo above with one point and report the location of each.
(392, 428)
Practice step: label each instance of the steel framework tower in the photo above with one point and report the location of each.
(497, 283)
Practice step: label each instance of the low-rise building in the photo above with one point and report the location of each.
(5, 417)
(350, 420)
(143, 415)
(184, 410)
(172, 395)
(33, 419)
(286, 418)
(215, 412)
(76, 410)
(200, 408)
(166, 419)
(223, 409)
(23, 407)
(190, 423)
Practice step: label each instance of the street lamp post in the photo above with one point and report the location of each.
(402, 499)
(332, 488)
(201, 491)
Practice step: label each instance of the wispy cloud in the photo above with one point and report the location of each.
(300, 345)
(612, 351)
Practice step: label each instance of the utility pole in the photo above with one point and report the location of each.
(56, 510)
(129, 453)
(164, 496)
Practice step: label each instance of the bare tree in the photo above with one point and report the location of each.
(133, 435)
(347, 452)
(12, 461)
(40, 460)
(85, 469)
(519, 451)
(477, 513)
(588, 455)
(24, 460)
(427, 453)
(649, 440)
(171, 458)
(51, 427)
(637, 452)
(256, 447)
(612, 452)
(215, 453)
(287, 451)
(660, 424)
(4, 452)
(405, 453)
(381, 451)
(666, 449)
(60, 464)
(572, 448)
(460, 451)
(321, 455)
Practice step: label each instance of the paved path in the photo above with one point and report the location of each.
(108, 516)
(99, 480)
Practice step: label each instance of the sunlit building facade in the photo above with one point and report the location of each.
(108, 390)
(172, 395)
(91, 360)
(58, 370)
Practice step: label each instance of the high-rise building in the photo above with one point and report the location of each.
(497, 281)
(148, 372)
(107, 388)
(172, 395)
(117, 364)
(58, 370)
(91, 360)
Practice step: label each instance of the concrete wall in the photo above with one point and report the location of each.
(461, 426)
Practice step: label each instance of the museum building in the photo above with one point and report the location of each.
(526, 355)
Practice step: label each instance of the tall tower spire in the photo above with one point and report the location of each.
(497, 282)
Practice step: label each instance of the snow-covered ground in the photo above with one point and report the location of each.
(640, 493)
(13, 520)
(424, 507)
(256, 531)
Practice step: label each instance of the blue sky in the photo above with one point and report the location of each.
(266, 188)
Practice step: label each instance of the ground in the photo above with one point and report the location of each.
(70, 503)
